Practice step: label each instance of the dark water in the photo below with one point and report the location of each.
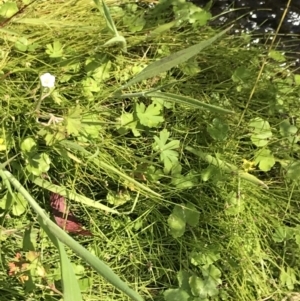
(263, 15)
(261, 18)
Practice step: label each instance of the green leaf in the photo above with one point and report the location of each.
(208, 286)
(28, 145)
(7, 201)
(183, 280)
(19, 205)
(293, 171)
(212, 280)
(200, 18)
(56, 96)
(150, 116)
(297, 79)
(258, 125)
(192, 215)
(205, 257)
(211, 172)
(261, 132)
(241, 74)
(118, 198)
(190, 67)
(288, 278)
(289, 131)
(218, 130)
(177, 222)
(163, 103)
(52, 137)
(197, 286)
(183, 181)
(134, 23)
(153, 174)
(282, 233)
(74, 120)
(22, 44)
(102, 72)
(91, 126)
(78, 269)
(38, 164)
(85, 283)
(265, 159)
(189, 102)
(277, 56)
(262, 139)
(168, 155)
(8, 9)
(54, 50)
(30, 238)
(173, 60)
(126, 122)
(176, 295)
(212, 272)
(32, 47)
(90, 85)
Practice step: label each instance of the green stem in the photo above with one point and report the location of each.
(42, 97)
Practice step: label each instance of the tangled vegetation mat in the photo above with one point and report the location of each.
(144, 156)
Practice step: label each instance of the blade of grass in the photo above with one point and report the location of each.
(172, 60)
(111, 25)
(109, 21)
(71, 289)
(53, 23)
(189, 101)
(105, 166)
(66, 239)
(5, 181)
(161, 29)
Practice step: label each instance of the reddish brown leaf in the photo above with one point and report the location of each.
(65, 218)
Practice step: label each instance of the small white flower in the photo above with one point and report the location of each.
(47, 80)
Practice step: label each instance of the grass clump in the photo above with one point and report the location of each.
(187, 174)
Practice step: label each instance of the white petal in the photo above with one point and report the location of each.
(47, 80)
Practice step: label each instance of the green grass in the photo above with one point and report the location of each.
(245, 236)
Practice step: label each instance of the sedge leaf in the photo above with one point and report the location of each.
(109, 20)
(173, 60)
(71, 289)
(189, 101)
